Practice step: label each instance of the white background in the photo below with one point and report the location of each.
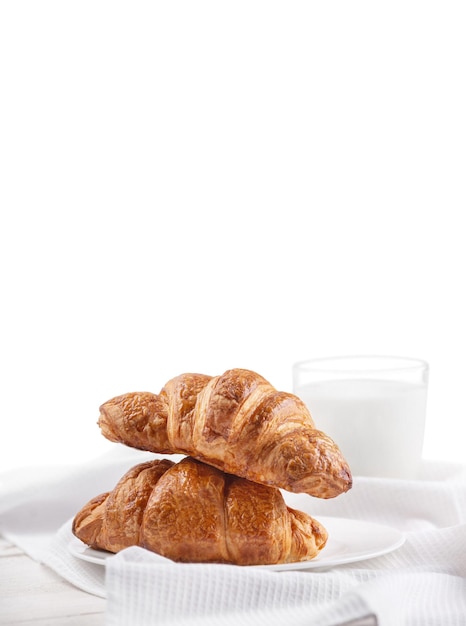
(205, 185)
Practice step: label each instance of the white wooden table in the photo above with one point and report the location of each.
(33, 595)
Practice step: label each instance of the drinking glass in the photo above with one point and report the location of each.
(373, 407)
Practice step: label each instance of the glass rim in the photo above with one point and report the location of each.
(387, 363)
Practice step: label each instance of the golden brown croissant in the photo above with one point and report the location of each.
(236, 422)
(193, 512)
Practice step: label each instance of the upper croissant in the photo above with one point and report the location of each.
(237, 422)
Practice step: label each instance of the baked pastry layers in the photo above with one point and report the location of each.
(237, 422)
(193, 512)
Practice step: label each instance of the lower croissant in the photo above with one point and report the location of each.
(193, 512)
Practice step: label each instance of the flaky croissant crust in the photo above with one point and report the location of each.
(193, 512)
(237, 422)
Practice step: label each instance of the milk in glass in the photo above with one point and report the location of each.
(377, 424)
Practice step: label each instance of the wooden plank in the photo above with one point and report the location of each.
(33, 595)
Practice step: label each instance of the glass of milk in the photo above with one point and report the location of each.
(373, 407)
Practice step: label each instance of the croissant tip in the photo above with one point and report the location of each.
(347, 478)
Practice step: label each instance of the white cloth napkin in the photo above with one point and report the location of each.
(422, 582)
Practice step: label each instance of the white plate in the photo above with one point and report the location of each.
(349, 541)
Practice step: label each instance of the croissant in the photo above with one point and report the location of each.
(236, 422)
(193, 512)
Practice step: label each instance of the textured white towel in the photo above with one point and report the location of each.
(421, 583)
